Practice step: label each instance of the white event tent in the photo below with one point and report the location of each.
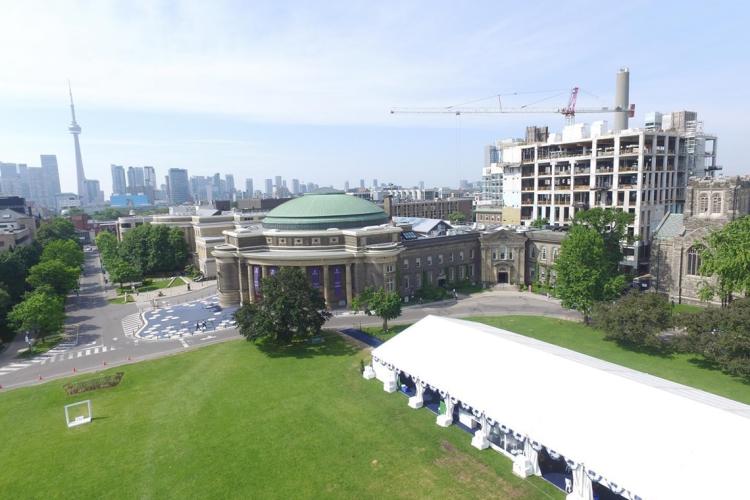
(639, 435)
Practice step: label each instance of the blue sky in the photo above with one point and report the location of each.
(303, 90)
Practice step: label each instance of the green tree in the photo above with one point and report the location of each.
(726, 255)
(386, 305)
(14, 268)
(361, 302)
(121, 271)
(40, 312)
(291, 308)
(635, 320)
(722, 336)
(55, 274)
(612, 226)
(107, 244)
(66, 251)
(583, 273)
(539, 223)
(56, 229)
(5, 303)
(178, 248)
(108, 213)
(457, 217)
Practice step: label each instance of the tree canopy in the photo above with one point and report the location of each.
(55, 274)
(539, 223)
(584, 272)
(14, 268)
(106, 242)
(290, 309)
(121, 271)
(635, 320)
(386, 305)
(722, 336)
(154, 248)
(56, 229)
(40, 313)
(66, 251)
(726, 255)
(457, 217)
(108, 213)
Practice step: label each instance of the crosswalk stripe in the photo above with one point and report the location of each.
(88, 352)
(80, 353)
(104, 348)
(96, 350)
(70, 356)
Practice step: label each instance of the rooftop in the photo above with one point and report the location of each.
(325, 210)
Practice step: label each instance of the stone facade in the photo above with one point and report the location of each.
(709, 205)
(542, 249)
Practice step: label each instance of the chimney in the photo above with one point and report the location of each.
(622, 99)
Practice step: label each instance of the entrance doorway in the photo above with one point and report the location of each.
(502, 277)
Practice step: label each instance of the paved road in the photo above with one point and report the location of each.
(103, 342)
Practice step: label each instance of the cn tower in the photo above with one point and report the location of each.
(75, 129)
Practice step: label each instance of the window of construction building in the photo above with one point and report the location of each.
(333, 240)
(316, 241)
(282, 241)
(418, 262)
(269, 241)
(693, 261)
(298, 241)
(703, 203)
(716, 203)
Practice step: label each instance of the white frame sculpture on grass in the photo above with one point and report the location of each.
(78, 419)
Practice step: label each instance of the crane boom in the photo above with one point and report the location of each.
(568, 111)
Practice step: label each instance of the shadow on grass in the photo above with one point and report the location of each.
(659, 352)
(332, 345)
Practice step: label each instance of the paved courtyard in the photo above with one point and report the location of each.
(187, 319)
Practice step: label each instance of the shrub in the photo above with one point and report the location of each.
(635, 320)
(93, 384)
(430, 293)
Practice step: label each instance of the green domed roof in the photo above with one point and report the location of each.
(324, 210)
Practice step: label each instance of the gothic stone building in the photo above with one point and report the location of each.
(675, 261)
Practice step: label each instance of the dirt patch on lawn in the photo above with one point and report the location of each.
(468, 470)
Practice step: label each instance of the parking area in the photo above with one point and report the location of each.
(197, 317)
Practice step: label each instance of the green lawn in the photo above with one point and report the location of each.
(151, 284)
(687, 308)
(378, 332)
(237, 421)
(688, 369)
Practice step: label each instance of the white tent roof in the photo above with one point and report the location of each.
(653, 437)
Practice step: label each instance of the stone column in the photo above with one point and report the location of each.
(250, 284)
(326, 286)
(240, 281)
(348, 271)
(227, 281)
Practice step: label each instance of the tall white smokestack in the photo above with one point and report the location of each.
(622, 99)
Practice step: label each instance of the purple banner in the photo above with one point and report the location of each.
(338, 282)
(315, 275)
(256, 280)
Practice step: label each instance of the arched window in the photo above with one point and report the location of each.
(544, 253)
(693, 261)
(703, 203)
(716, 203)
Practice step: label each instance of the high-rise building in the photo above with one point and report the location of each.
(202, 189)
(295, 186)
(149, 177)
(51, 175)
(421, 185)
(346, 186)
(136, 180)
(179, 186)
(375, 183)
(249, 192)
(75, 129)
(361, 183)
(94, 194)
(269, 188)
(230, 186)
(278, 184)
(119, 185)
(491, 155)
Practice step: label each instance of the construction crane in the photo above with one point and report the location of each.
(569, 111)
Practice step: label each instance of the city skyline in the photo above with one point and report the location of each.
(248, 116)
